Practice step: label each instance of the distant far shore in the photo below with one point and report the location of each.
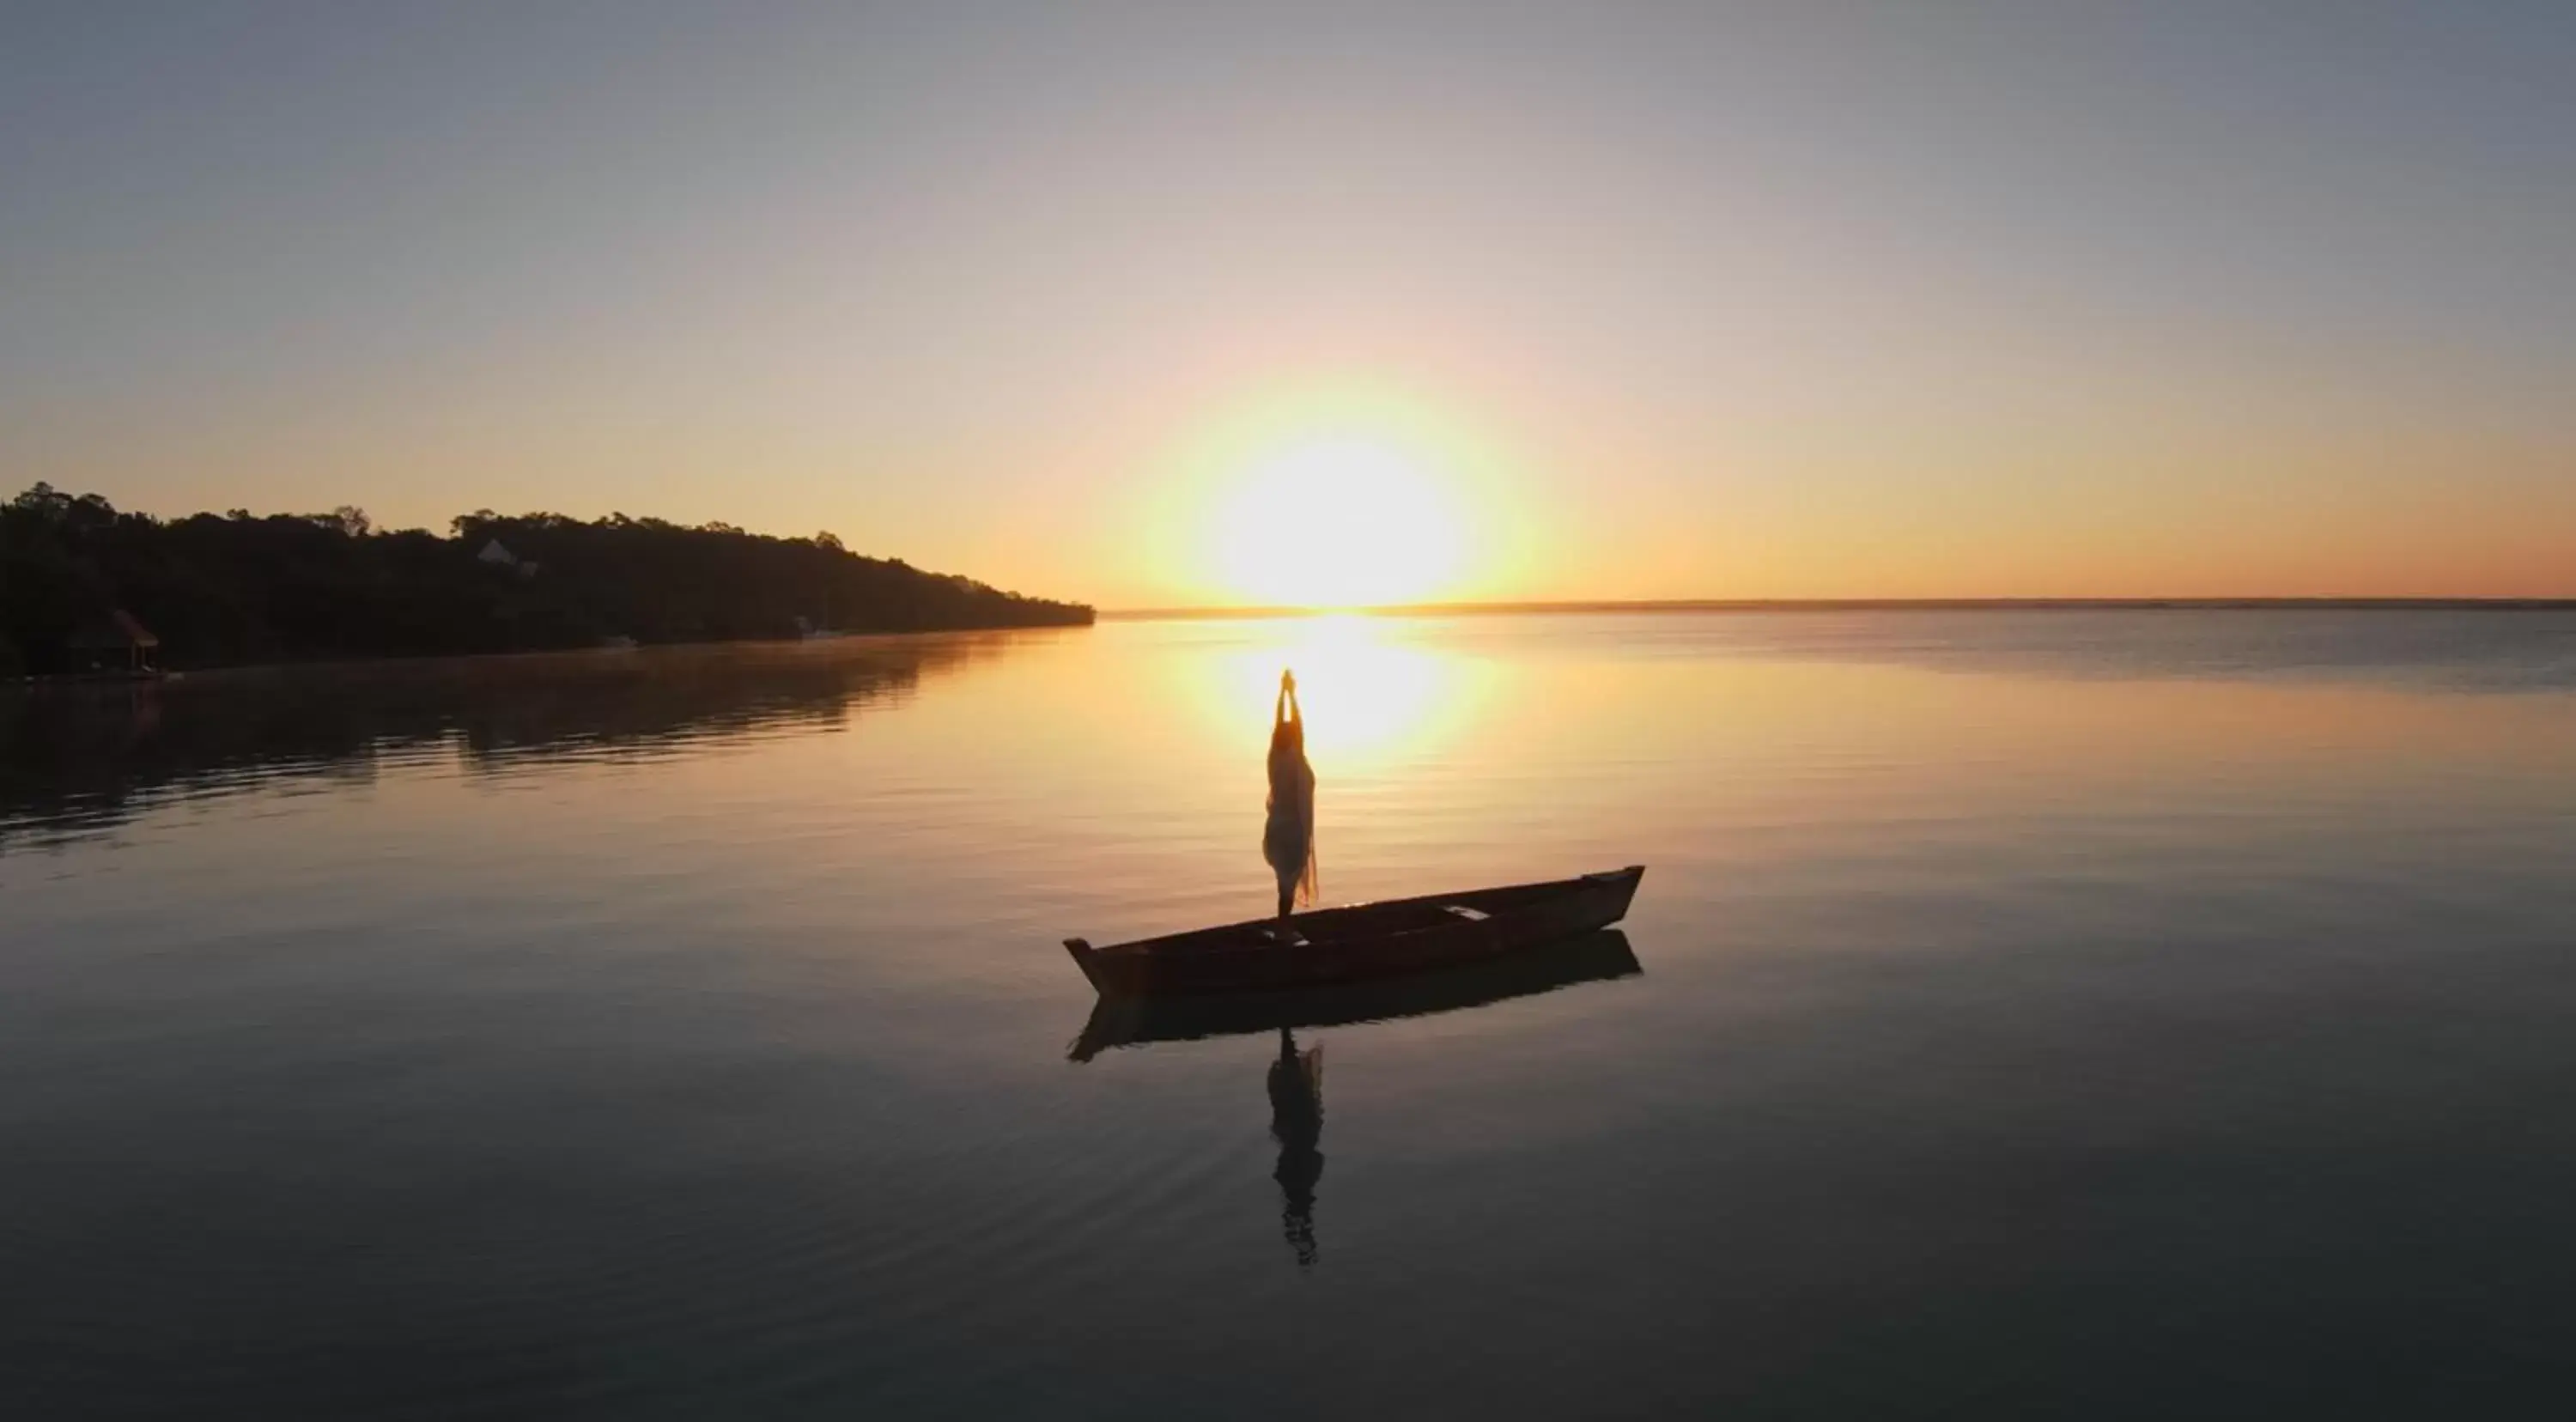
(1897, 604)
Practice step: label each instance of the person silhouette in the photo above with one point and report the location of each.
(1288, 835)
(1297, 1123)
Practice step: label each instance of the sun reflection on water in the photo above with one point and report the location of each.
(1372, 696)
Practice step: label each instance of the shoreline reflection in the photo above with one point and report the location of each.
(83, 760)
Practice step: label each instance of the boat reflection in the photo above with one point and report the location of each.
(1128, 1022)
(1296, 1077)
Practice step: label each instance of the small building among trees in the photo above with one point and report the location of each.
(500, 557)
(117, 631)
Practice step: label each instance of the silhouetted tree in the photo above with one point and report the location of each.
(242, 588)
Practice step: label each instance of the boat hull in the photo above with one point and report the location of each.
(1137, 1021)
(1360, 942)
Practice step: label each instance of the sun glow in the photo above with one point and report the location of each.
(1372, 694)
(1337, 523)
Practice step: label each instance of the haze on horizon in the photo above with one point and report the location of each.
(1169, 305)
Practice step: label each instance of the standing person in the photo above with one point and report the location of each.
(1288, 838)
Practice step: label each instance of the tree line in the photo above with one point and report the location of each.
(223, 589)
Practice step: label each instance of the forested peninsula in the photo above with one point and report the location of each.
(84, 586)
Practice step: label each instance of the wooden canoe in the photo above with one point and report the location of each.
(1138, 1021)
(1340, 945)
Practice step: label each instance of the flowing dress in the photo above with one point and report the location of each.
(1288, 836)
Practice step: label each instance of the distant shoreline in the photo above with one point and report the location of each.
(1961, 604)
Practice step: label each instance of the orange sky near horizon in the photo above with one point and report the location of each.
(1338, 305)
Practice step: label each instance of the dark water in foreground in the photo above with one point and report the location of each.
(2101, 1014)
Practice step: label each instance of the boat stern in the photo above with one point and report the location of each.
(1083, 957)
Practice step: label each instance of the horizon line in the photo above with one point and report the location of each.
(1853, 604)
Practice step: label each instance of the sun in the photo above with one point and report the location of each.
(1337, 523)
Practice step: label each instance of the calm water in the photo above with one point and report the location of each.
(2160, 1014)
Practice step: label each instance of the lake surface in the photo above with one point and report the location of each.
(2090, 1013)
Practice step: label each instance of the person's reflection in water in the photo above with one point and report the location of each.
(1297, 1123)
(1288, 836)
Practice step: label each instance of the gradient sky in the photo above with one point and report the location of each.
(1668, 301)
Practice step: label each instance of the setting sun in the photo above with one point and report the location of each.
(1341, 522)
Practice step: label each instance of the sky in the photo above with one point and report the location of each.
(1189, 304)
